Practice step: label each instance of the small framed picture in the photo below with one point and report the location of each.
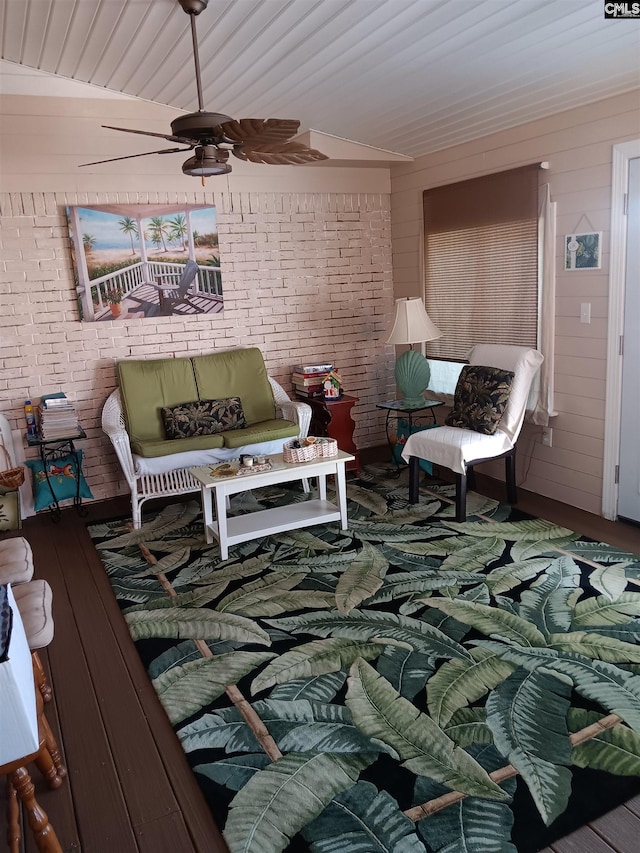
(582, 251)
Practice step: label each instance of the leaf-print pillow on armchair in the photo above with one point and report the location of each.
(481, 396)
(203, 417)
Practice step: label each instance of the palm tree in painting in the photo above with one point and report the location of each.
(178, 226)
(160, 229)
(152, 236)
(130, 227)
(89, 242)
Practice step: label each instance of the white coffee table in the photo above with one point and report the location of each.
(253, 525)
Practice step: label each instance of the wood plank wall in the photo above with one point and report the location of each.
(578, 146)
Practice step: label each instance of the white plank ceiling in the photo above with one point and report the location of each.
(411, 76)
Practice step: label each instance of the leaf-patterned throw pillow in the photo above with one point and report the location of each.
(482, 394)
(203, 417)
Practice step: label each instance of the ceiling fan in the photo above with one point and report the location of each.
(214, 135)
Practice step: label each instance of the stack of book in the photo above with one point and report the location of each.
(307, 379)
(58, 417)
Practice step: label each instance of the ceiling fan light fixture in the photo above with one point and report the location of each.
(207, 162)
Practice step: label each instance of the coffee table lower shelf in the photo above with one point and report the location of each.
(253, 525)
(228, 531)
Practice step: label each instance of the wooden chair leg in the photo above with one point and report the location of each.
(44, 759)
(414, 479)
(41, 679)
(461, 497)
(13, 818)
(510, 476)
(44, 763)
(43, 833)
(52, 746)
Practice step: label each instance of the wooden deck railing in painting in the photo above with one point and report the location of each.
(127, 279)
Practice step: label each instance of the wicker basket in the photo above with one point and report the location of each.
(12, 478)
(326, 447)
(318, 448)
(306, 453)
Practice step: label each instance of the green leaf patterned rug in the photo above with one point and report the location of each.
(409, 685)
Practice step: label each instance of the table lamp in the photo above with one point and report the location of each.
(412, 325)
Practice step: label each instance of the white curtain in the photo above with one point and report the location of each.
(543, 407)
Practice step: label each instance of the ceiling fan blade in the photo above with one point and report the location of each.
(129, 156)
(264, 131)
(277, 147)
(181, 139)
(289, 154)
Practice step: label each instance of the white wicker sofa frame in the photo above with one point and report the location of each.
(178, 481)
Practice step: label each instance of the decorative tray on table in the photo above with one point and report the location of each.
(235, 468)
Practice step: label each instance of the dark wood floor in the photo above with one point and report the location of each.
(129, 788)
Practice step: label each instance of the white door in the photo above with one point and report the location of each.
(629, 462)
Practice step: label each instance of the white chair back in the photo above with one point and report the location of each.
(524, 362)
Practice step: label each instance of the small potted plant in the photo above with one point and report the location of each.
(114, 299)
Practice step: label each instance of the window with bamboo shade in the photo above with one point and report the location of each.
(481, 261)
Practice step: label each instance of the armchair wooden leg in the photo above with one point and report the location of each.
(461, 497)
(52, 746)
(13, 818)
(414, 479)
(45, 765)
(48, 760)
(43, 833)
(41, 679)
(510, 476)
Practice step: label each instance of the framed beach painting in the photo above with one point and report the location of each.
(137, 261)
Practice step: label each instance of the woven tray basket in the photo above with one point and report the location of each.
(321, 448)
(12, 478)
(326, 447)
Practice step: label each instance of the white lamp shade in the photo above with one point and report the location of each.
(412, 324)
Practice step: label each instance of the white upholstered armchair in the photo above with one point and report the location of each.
(459, 449)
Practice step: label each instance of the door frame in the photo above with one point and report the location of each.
(622, 153)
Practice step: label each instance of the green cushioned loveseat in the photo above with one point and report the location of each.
(155, 465)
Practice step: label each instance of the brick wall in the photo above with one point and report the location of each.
(305, 277)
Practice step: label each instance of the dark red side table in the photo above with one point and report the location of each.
(333, 418)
